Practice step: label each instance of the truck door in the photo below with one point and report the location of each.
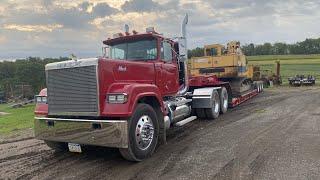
(169, 68)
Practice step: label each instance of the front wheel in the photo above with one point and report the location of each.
(143, 134)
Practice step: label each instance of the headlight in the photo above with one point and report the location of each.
(117, 98)
(41, 99)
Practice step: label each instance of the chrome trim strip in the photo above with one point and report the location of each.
(98, 88)
(81, 120)
(72, 64)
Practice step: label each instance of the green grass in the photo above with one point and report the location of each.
(17, 119)
(291, 65)
(282, 57)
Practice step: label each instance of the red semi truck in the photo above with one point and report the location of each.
(128, 98)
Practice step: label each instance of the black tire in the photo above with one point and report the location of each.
(224, 97)
(213, 112)
(133, 152)
(57, 146)
(201, 113)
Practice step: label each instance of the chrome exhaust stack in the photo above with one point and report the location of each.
(183, 53)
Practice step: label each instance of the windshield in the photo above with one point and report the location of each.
(137, 50)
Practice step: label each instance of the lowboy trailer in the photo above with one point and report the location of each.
(131, 96)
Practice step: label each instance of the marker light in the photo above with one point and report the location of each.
(41, 99)
(117, 98)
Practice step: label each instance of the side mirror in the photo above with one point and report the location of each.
(105, 51)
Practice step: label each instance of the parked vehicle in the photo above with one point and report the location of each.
(300, 80)
(131, 96)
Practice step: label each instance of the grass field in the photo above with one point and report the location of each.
(17, 119)
(291, 65)
(283, 57)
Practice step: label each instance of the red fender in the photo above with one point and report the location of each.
(135, 92)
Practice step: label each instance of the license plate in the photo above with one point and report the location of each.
(74, 147)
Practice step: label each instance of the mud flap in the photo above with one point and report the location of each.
(202, 98)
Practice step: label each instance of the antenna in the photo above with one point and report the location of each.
(126, 28)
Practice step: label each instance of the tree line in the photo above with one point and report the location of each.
(308, 46)
(26, 73)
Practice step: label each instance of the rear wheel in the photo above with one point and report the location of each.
(57, 146)
(224, 100)
(214, 111)
(143, 134)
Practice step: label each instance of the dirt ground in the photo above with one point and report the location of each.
(276, 135)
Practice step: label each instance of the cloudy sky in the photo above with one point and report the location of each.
(53, 28)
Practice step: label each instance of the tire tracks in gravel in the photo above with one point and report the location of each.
(16, 140)
(24, 157)
(246, 164)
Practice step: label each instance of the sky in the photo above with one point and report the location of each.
(54, 28)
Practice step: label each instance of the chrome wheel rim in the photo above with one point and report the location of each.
(216, 107)
(144, 132)
(225, 103)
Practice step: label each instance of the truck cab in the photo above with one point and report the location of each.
(117, 100)
(146, 56)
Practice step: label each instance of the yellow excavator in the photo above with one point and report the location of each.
(228, 64)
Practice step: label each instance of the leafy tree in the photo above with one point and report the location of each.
(197, 52)
(29, 71)
(308, 46)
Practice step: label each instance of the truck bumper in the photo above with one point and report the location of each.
(107, 133)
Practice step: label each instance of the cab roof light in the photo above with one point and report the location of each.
(126, 29)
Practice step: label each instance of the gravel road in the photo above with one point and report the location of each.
(273, 136)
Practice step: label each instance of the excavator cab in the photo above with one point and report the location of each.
(213, 50)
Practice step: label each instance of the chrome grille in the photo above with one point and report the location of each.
(73, 91)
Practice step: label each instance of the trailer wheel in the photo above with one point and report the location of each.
(143, 134)
(224, 100)
(57, 146)
(259, 87)
(213, 113)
